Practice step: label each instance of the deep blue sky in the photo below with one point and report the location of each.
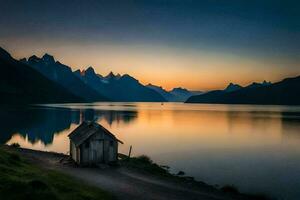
(247, 34)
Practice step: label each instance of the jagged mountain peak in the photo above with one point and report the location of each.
(232, 87)
(127, 75)
(266, 82)
(257, 84)
(48, 58)
(89, 71)
(110, 75)
(179, 89)
(34, 58)
(23, 60)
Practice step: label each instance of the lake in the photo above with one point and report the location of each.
(255, 148)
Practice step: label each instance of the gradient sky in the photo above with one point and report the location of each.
(195, 44)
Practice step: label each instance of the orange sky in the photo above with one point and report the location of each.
(164, 66)
(199, 45)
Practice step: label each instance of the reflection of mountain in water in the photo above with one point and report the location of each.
(109, 116)
(41, 124)
(36, 124)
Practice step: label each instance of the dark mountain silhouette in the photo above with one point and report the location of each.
(255, 84)
(20, 83)
(182, 94)
(119, 88)
(175, 95)
(285, 92)
(110, 116)
(232, 87)
(64, 76)
(168, 96)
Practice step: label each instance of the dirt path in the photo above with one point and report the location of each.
(123, 183)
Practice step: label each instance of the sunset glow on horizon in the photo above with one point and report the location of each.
(195, 45)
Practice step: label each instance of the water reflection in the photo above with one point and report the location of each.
(40, 125)
(256, 148)
(34, 124)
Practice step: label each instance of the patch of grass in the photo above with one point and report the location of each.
(20, 180)
(145, 164)
(144, 159)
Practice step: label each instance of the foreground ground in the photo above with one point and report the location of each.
(22, 180)
(45, 175)
(122, 181)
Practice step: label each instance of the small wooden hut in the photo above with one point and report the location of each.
(92, 144)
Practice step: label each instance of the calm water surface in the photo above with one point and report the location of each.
(256, 148)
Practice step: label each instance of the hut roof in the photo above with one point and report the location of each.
(87, 129)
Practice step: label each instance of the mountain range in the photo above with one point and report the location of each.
(176, 94)
(78, 86)
(285, 92)
(45, 80)
(64, 76)
(91, 86)
(20, 83)
(123, 88)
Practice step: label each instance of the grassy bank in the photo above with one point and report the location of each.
(21, 180)
(146, 165)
